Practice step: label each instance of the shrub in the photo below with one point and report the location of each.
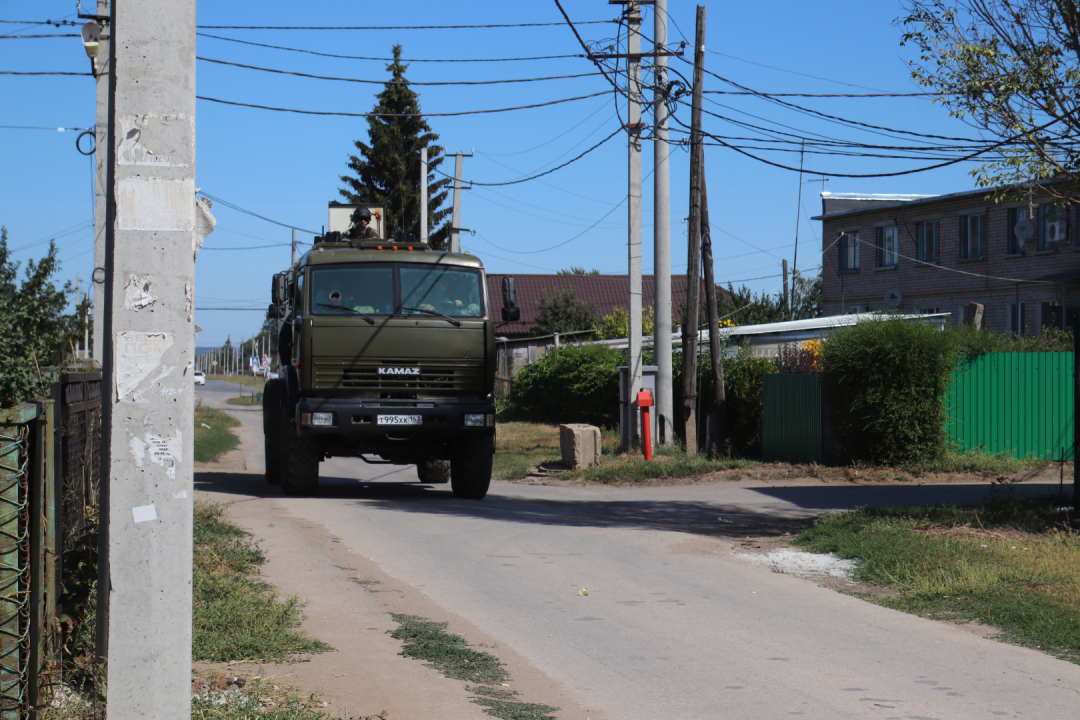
(571, 384)
(886, 380)
(980, 342)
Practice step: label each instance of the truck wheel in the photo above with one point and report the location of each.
(272, 430)
(300, 464)
(470, 471)
(433, 471)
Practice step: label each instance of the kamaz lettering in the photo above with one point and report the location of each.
(399, 371)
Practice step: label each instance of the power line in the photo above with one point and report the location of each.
(228, 204)
(28, 37)
(36, 127)
(393, 27)
(546, 172)
(12, 72)
(392, 82)
(822, 95)
(385, 59)
(366, 115)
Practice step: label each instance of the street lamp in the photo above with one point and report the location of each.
(91, 38)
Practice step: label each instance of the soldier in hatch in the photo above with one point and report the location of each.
(361, 225)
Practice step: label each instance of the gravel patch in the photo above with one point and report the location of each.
(802, 564)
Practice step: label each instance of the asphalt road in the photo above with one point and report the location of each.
(673, 626)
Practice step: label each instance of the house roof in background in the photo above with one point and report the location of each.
(604, 292)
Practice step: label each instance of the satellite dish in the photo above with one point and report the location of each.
(1024, 230)
(893, 298)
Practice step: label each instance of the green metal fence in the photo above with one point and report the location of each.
(791, 418)
(1020, 404)
(28, 541)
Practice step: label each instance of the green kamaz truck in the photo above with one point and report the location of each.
(386, 350)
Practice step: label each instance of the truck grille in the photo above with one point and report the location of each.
(437, 377)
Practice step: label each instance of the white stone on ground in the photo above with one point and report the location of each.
(802, 564)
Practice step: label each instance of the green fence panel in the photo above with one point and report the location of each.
(791, 418)
(1020, 404)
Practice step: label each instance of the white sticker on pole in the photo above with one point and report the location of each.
(137, 355)
(144, 513)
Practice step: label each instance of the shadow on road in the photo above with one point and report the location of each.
(756, 512)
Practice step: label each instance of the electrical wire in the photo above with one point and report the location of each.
(538, 175)
(385, 59)
(12, 72)
(36, 127)
(226, 203)
(392, 82)
(393, 27)
(548, 142)
(28, 37)
(367, 115)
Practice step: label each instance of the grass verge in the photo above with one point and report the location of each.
(450, 654)
(1010, 563)
(235, 616)
(245, 380)
(213, 437)
(247, 400)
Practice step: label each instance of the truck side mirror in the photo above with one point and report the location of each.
(511, 314)
(509, 292)
(273, 312)
(279, 291)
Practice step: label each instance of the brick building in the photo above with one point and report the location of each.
(944, 253)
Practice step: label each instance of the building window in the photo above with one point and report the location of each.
(1051, 315)
(1053, 226)
(973, 236)
(849, 251)
(927, 240)
(1017, 319)
(886, 246)
(1016, 245)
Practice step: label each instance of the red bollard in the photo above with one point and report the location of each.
(645, 401)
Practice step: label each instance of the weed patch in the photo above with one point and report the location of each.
(213, 437)
(217, 697)
(669, 464)
(520, 446)
(244, 401)
(1009, 563)
(234, 616)
(450, 654)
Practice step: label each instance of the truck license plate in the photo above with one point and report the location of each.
(400, 420)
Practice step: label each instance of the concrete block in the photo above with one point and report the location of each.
(580, 445)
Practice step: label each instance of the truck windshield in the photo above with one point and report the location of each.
(436, 288)
(369, 290)
(350, 290)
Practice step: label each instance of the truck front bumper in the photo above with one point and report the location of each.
(394, 419)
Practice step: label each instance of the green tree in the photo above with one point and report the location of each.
(35, 328)
(563, 312)
(575, 270)
(1010, 68)
(744, 307)
(388, 166)
(617, 324)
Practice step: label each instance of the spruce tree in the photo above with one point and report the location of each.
(388, 166)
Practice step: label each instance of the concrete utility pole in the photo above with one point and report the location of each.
(155, 227)
(661, 232)
(786, 302)
(693, 272)
(455, 223)
(101, 146)
(633, 133)
(423, 195)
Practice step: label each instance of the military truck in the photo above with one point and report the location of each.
(387, 354)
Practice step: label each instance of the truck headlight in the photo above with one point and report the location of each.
(475, 420)
(323, 419)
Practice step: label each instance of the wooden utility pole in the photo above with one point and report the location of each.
(693, 272)
(714, 444)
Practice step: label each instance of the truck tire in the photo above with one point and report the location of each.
(433, 471)
(470, 470)
(300, 464)
(271, 409)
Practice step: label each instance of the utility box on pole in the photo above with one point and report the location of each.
(155, 228)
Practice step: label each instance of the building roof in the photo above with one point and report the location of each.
(604, 292)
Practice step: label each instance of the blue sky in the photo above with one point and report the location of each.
(286, 166)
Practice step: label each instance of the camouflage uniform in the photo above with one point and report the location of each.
(367, 233)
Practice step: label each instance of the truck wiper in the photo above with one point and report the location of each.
(452, 321)
(346, 307)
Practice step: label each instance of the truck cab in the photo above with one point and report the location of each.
(387, 354)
